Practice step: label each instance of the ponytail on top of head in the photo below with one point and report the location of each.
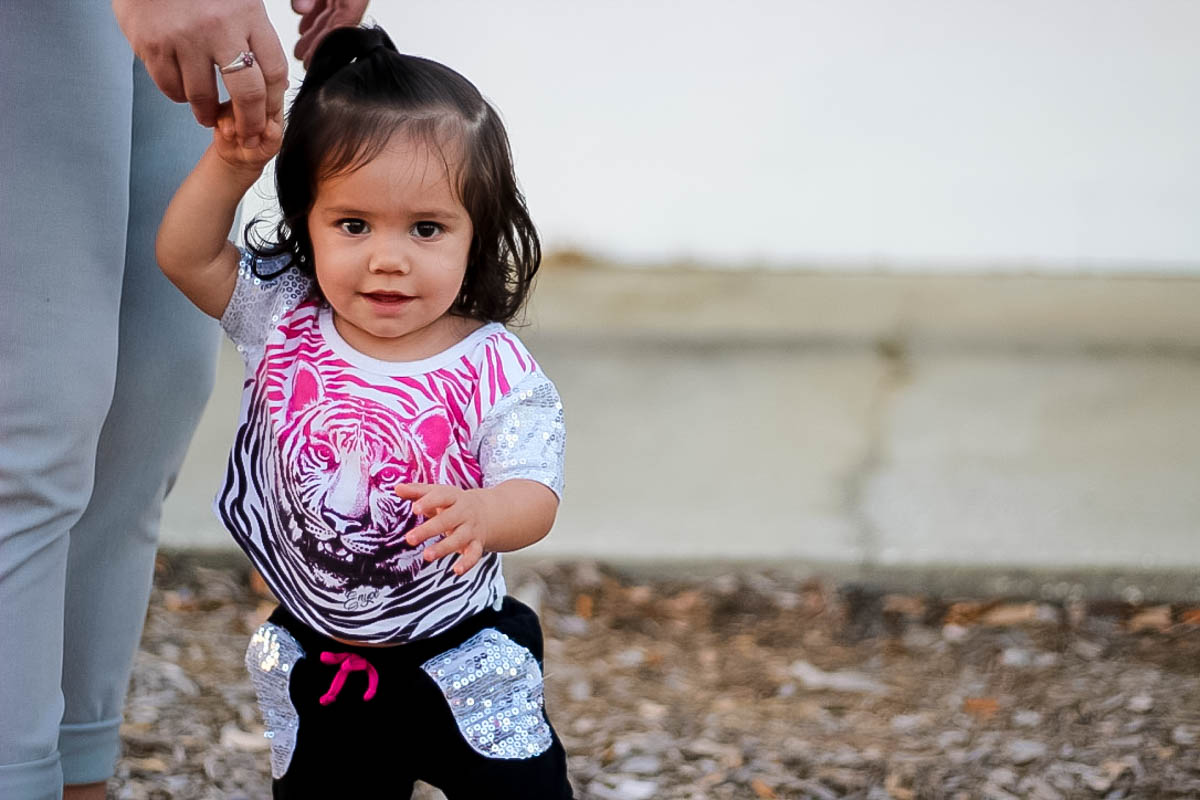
(359, 92)
(340, 48)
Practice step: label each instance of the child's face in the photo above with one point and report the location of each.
(390, 243)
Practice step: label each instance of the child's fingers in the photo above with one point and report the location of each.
(426, 530)
(436, 500)
(274, 132)
(470, 557)
(456, 540)
(412, 491)
(442, 523)
(224, 121)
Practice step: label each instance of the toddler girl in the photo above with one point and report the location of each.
(394, 436)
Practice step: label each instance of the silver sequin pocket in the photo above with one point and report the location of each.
(271, 658)
(494, 688)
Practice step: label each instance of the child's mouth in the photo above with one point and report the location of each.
(387, 299)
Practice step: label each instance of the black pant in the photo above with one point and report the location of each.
(355, 748)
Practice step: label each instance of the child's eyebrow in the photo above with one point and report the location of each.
(439, 213)
(344, 211)
(351, 211)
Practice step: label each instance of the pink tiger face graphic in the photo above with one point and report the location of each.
(340, 458)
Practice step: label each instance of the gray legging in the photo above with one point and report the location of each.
(104, 370)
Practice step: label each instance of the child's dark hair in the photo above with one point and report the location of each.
(360, 91)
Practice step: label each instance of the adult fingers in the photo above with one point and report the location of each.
(248, 94)
(323, 17)
(318, 24)
(272, 62)
(308, 11)
(164, 71)
(307, 21)
(199, 85)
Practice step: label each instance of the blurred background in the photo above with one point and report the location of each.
(906, 291)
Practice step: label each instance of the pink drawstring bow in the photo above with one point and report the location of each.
(350, 663)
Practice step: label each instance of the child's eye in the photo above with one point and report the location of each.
(426, 230)
(354, 227)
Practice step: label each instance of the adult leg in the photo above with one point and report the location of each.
(165, 368)
(64, 158)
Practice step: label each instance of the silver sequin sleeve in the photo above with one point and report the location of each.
(523, 436)
(257, 305)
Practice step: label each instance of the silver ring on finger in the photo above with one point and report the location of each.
(244, 59)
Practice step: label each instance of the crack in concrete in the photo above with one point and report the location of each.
(894, 351)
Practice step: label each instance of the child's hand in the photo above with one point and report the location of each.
(230, 148)
(460, 514)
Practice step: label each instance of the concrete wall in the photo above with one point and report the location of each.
(854, 421)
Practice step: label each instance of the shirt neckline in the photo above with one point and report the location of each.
(399, 368)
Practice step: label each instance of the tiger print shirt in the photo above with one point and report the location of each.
(326, 433)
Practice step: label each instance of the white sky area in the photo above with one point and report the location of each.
(965, 135)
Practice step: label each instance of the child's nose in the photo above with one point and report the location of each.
(390, 256)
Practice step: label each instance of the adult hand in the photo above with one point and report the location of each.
(180, 42)
(319, 17)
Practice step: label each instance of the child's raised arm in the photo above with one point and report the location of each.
(193, 247)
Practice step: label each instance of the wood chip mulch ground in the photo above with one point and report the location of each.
(745, 685)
